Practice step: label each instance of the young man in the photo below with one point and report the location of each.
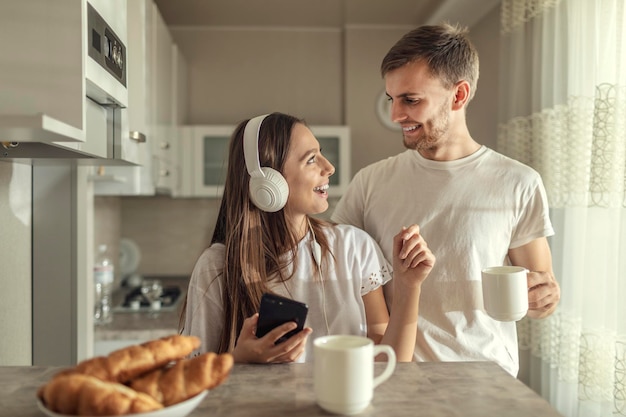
(476, 208)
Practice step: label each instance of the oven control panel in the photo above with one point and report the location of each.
(105, 47)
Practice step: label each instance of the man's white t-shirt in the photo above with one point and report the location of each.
(470, 211)
(359, 267)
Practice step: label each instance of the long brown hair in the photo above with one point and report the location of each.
(255, 241)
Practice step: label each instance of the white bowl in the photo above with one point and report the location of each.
(177, 410)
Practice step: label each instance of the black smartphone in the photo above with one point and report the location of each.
(276, 310)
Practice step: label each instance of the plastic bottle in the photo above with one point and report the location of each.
(104, 273)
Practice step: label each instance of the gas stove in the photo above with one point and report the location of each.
(134, 301)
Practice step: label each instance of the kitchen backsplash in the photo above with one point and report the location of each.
(170, 233)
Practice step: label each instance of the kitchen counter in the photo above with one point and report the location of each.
(143, 325)
(437, 389)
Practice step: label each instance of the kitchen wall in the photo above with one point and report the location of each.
(107, 228)
(326, 76)
(171, 233)
(482, 113)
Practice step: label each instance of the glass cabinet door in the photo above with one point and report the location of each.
(335, 144)
(210, 144)
(214, 160)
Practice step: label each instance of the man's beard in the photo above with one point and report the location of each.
(437, 128)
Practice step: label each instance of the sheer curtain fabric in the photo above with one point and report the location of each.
(563, 112)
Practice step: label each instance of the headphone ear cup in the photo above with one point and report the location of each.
(269, 193)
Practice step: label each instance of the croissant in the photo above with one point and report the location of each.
(79, 394)
(127, 363)
(185, 379)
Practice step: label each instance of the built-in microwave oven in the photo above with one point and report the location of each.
(204, 156)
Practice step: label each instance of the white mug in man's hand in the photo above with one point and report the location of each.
(505, 292)
(343, 372)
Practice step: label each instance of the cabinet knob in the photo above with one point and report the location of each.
(165, 145)
(165, 172)
(137, 136)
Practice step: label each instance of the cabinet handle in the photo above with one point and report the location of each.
(137, 136)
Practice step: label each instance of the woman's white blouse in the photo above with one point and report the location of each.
(359, 267)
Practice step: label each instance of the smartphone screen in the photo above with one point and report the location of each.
(276, 310)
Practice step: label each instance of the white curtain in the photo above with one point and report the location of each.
(563, 112)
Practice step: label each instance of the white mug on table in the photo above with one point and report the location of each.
(343, 372)
(505, 292)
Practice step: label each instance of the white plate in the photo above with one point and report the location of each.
(130, 256)
(176, 410)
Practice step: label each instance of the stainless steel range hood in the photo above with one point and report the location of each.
(50, 153)
(39, 138)
(38, 150)
(56, 152)
(35, 137)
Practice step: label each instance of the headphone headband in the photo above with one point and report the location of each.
(251, 146)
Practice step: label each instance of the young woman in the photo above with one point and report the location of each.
(265, 240)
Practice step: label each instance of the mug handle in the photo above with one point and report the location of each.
(391, 363)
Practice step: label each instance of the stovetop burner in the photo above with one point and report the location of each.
(135, 301)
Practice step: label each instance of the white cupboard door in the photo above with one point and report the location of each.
(42, 78)
(165, 148)
(186, 161)
(210, 159)
(179, 117)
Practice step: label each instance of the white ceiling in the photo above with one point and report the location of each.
(322, 13)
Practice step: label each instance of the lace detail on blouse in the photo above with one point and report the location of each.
(375, 280)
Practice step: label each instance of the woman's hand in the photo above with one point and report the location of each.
(412, 262)
(252, 349)
(412, 259)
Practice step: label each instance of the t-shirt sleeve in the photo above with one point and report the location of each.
(375, 270)
(534, 221)
(204, 313)
(350, 208)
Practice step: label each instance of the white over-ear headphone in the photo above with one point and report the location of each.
(268, 188)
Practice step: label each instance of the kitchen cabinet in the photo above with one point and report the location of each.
(164, 146)
(156, 69)
(29, 95)
(204, 156)
(59, 99)
(179, 113)
(335, 145)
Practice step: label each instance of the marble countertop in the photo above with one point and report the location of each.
(143, 325)
(438, 389)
